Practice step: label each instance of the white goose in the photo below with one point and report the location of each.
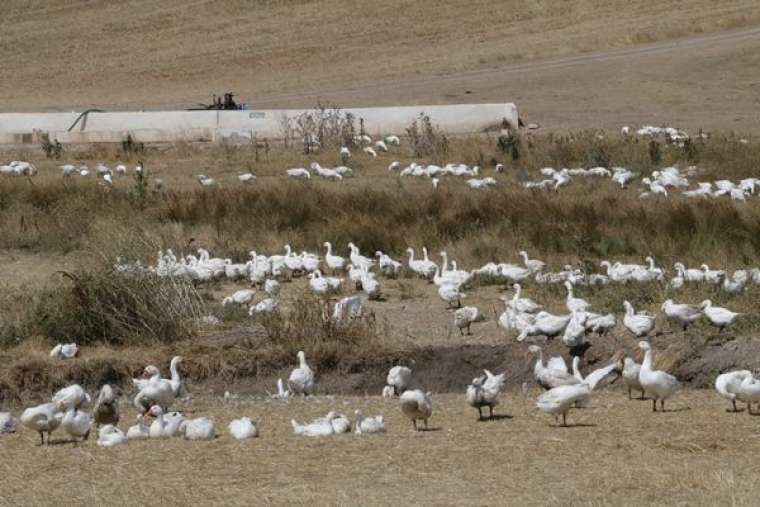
(416, 405)
(201, 428)
(631, 370)
(368, 424)
(239, 297)
(334, 262)
(713, 275)
(682, 314)
(559, 400)
(484, 392)
(599, 377)
(749, 392)
(729, 385)
(7, 423)
(139, 431)
(398, 379)
(43, 418)
(77, 423)
(638, 324)
(574, 303)
(71, 396)
(534, 265)
(545, 324)
(689, 275)
(523, 305)
(165, 425)
(659, 385)
(157, 390)
(452, 276)
(65, 351)
(464, 318)
(106, 410)
(422, 268)
(555, 372)
(301, 380)
(243, 429)
(359, 260)
(718, 316)
(111, 436)
(324, 285)
(389, 267)
(575, 331)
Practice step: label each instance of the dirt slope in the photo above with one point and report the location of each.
(65, 54)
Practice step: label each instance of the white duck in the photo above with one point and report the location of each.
(243, 428)
(111, 436)
(139, 431)
(484, 392)
(555, 372)
(368, 424)
(659, 385)
(718, 316)
(201, 428)
(165, 425)
(559, 400)
(399, 378)
(43, 418)
(631, 370)
(416, 405)
(301, 380)
(682, 314)
(159, 391)
(638, 324)
(729, 385)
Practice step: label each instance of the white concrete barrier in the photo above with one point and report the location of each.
(168, 126)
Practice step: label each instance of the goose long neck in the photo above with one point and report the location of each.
(445, 265)
(647, 363)
(329, 248)
(174, 371)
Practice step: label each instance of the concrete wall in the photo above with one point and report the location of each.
(167, 126)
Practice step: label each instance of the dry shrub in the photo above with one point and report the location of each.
(326, 343)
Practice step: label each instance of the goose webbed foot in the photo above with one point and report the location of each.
(654, 405)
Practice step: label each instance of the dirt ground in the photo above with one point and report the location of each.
(616, 452)
(600, 63)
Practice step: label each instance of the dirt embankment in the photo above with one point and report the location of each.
(226, 364)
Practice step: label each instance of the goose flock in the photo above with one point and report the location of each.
(72, 409)
(355, 279)
(665, 182)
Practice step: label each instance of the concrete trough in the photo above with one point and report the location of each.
(200, 126)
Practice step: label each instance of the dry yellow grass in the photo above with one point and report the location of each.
(618, 453)
(63, 55)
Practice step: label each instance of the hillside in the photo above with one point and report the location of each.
(64, 54)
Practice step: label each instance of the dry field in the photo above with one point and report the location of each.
(618, 452)
(63, 55)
